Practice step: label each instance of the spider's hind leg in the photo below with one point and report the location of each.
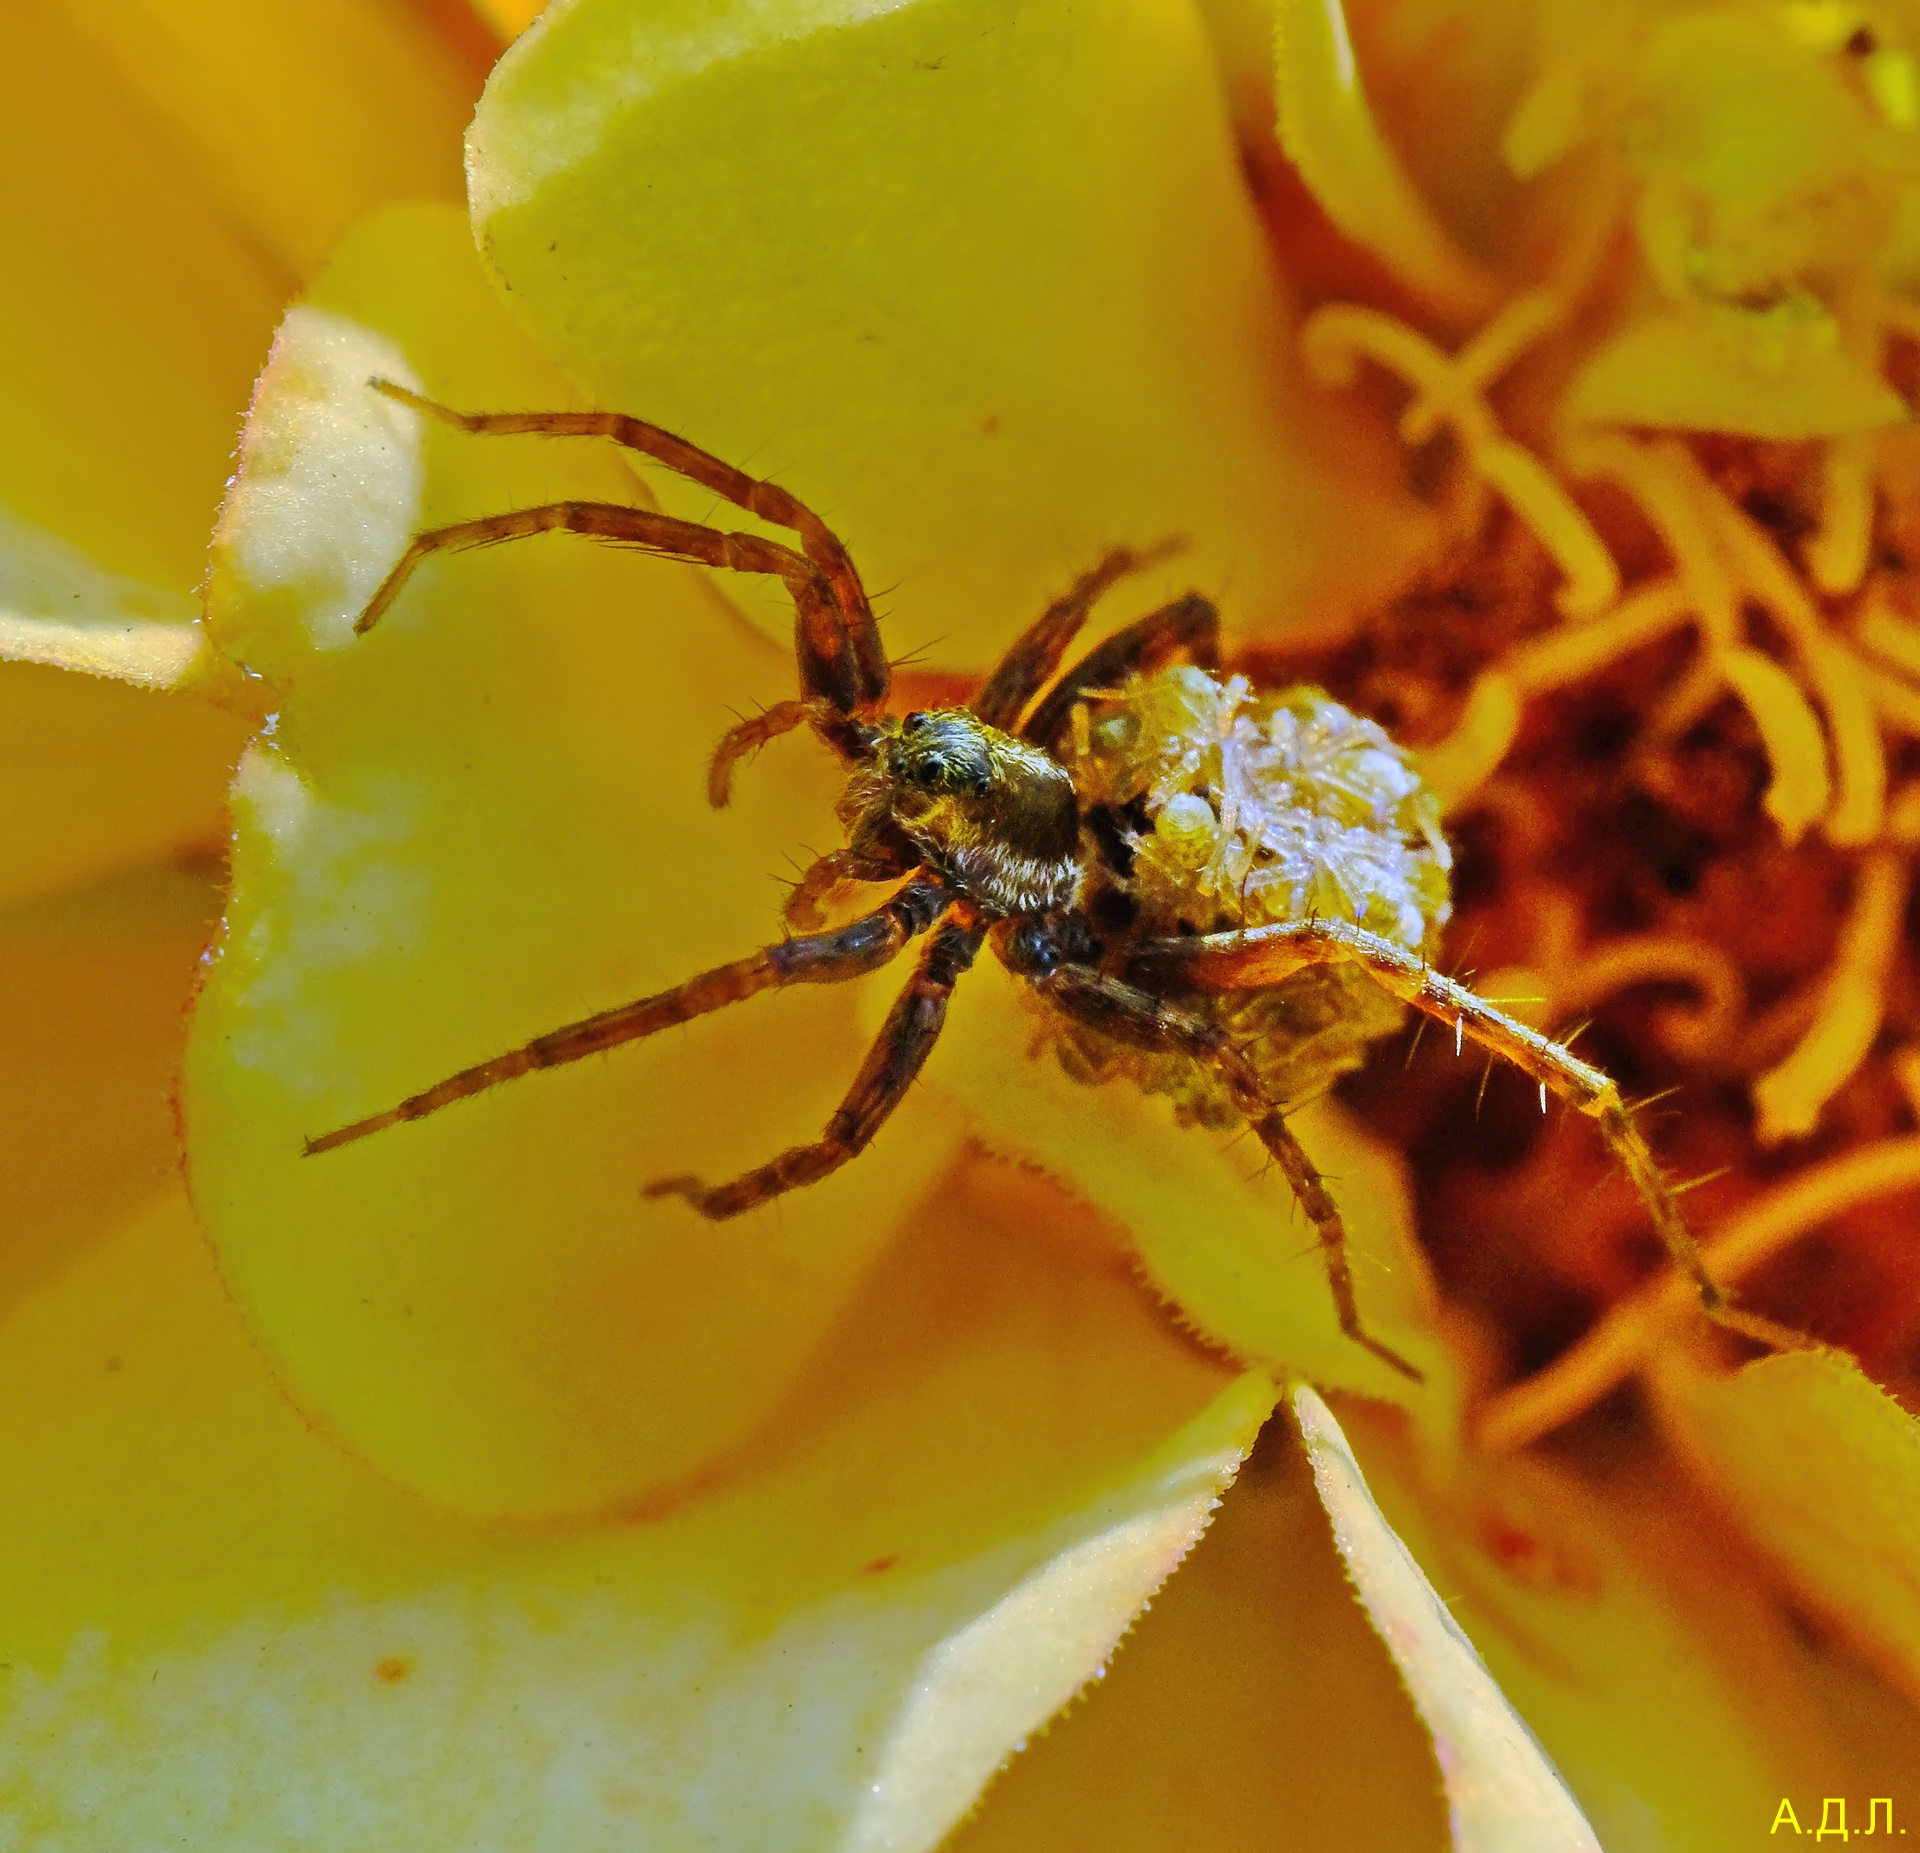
(1148, 1022)
(1267, 955)
(850, 951)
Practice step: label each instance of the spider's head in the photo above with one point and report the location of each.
(996, 816)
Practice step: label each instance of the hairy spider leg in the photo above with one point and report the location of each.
(850, 951)
(1265, 955)
(838, 644)
(1035, 654)
(1190, 624)
(892, 1065)
(1131, 1015)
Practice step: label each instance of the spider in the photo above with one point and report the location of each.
(1202, 888)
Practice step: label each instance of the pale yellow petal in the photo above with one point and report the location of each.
(981, 282)
(483, 820)
(1676, 1695)
(1504, 1795)
(1251, 1707)
(1823, 1468)
(224, 1631)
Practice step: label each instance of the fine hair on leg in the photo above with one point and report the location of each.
(1262, 956)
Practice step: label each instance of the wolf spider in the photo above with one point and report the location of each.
(973, 811)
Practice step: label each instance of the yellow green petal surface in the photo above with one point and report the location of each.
(1631, 1627)
(485, 819)
(223, 1629)
(981, 282)
(177, 166)
(1824, 1469)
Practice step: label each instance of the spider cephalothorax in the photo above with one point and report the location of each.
(1219, 894)
(994, 816)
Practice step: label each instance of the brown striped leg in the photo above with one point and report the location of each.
(1035, 654)
(617, 522)
(892, 1064)
(1266, 955)
(861, 946)
(1189, 624)
(1137, 1017)
(841, 659)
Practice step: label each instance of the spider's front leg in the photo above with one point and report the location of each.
(1189, 624)
(1127, 1014)
(1264, 956)
(842, 669)
(1035, 654)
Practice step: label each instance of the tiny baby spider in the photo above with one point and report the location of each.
(1221, 895)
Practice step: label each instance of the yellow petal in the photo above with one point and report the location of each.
(982, 283)
(178, 165)
(1328, 130)
(132, 316)
(1704, 373)
(482, 820)
(1252, 1706)
(292, 121)
(97, 983)
(99, 778)
(1823, 1468)
(1609, 1608)
(223, 1629)
(1505, 1796)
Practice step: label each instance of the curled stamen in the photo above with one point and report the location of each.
(1790, 1096)
(1660, 958)
(1666, 484)
(1334, 339)
(1837, 554)
(1789, 734)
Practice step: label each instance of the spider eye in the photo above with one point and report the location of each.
(944, 752)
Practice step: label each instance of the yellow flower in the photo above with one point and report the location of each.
(473, 1498)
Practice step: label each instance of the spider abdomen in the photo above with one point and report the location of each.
(1212, 806)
